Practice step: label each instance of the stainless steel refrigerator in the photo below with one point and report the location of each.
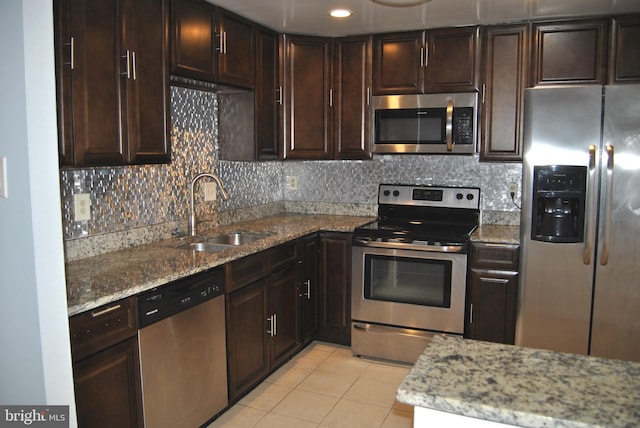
(579, 288)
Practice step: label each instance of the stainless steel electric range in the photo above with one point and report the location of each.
(409, 269)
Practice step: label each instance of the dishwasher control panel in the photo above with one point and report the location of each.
(162, 302)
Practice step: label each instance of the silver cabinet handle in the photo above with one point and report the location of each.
(133, 65)
(330, 97)
(588, 241)
(96, 314)
(308, 289)
(368, 96)
(270, 329)
(607, 210)
(223, 43)
(275, 324)
(72, 53)
(279, 97)
(471, 314)
(449, 126)
(421, 57)
(127, 58)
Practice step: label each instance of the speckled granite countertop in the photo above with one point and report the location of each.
(523, 386)
(493, 233)
(95, 281)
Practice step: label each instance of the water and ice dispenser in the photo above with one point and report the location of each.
(558, 208)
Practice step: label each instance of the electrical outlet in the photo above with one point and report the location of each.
(292, 182)
(513, 190)
(81, 207)
(210, 191)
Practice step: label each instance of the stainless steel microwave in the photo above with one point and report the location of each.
(425, 123)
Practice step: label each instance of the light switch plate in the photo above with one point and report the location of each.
(81, 207)
(4, 193)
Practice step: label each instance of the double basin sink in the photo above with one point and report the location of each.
(224, 241)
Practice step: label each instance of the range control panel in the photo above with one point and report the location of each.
(430, 196)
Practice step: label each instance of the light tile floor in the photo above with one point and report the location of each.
(325, 386)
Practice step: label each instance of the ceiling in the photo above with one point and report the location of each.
(311, 16)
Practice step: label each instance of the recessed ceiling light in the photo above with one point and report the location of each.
(340, 13)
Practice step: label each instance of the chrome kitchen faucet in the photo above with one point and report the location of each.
(192, 215)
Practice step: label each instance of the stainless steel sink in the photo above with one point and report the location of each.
(224, 241)
(236, 238)
(206, 247)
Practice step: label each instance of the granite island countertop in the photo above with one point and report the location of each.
(523, 386)
(99, 280)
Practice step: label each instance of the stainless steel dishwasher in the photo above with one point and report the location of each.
(183, 351)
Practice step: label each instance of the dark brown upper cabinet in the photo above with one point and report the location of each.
(268, 95)
(307, 97)
(570, 52)
(506, 51)
(112, 82)
(440, 60)
(211, 44)
(352, 97)
(625, 50)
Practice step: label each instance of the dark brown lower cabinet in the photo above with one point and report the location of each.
(107, 387)
(334, 288)
(308, 293)
(246, 337)
(492, 292)
(262, 316)
(106, 368)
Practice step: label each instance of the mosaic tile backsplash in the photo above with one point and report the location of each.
(125, 198)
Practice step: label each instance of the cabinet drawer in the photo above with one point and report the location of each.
(495, 256)
(246, 270)
(284, 254)
(102, 327)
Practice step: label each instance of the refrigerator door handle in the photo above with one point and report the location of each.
(588, 242)
(607, 207)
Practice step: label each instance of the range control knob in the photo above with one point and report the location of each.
(396, 193)
(459, 196)
(386, 193)
(470, 196)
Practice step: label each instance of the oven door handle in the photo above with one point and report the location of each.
(406, 246)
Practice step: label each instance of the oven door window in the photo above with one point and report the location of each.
(409, 280)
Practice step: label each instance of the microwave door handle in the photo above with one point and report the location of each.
(449, 126)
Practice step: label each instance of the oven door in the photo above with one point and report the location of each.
(409, 288)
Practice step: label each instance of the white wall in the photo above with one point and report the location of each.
(35, 358)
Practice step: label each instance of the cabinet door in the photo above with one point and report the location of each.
(398, 63)
(268, 95)
(570, 52)
(307, 68)
(352, 95)
(452, 60)
(506, 75)
(236, 60)
(146, 102)
(492, 311)
(89, 67)
(334, 290)
(309, 288)
(625, 50)
(107, 387)
(284, 337)
(193, 39)
(246, 333)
